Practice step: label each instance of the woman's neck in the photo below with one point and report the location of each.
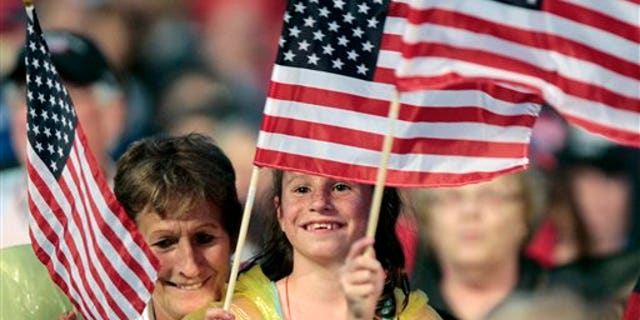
(472, 291)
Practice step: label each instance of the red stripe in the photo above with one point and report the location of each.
(333, 99)
(56, 209)
(398, 9)
(372, 141)
(628, 138)
(530, 38)
(118, 212)
(569, 86)
(362, 174)
(391, 42)
(593, 18)
(384, 75)
(103, 228)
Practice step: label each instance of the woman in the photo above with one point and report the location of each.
(316, 265)
(181, 193)
(473, 238)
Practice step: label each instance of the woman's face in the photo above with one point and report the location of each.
(322, 217)
(193, 251)
(480, 224)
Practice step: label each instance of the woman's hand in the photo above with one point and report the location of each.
(218, 314)
(362, 280)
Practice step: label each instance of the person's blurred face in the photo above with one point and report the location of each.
(477, 225)
(603, 204)
(194, 253)
(101, 121)
(322, 217)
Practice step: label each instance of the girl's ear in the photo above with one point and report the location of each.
(277, 205)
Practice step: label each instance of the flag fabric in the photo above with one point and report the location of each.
(90, 247)
(330, 93)
(581, 57)
(632, 310)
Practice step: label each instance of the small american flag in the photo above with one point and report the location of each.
(582, 57)
(329, 97)
(78, 229)
(632, 310)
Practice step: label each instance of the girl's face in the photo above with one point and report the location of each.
(194, 252)
(322, 217)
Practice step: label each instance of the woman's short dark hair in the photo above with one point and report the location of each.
(276, 258)
(172, 175)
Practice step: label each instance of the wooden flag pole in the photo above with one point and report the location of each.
(374, 212)
(242, 236)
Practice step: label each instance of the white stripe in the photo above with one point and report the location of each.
(466, 98)
(601, 114)
(623, 119)
(367, 158)
(91, 227)
(533, 20)
(403, 129)
(568, 67)
(394, 25)
(47, 213)
(333, 82)
(389, 59)
(621, 10)
(120, 231)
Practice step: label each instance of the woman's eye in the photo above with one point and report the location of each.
(204, 238)
(164, 243)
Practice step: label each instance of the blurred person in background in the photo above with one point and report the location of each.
(195, 101)
(590, 235)
(12, 21)
(552, 305)
(470, 257)
(99, 104)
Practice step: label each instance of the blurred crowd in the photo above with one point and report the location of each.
(569, 225)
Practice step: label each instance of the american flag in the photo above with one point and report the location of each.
(632, 310)
(582, 57)
(330, 92)
(78, 229)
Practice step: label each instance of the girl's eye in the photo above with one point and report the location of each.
(301, 189)
(341, 187)
(164, 243)
(204, 238)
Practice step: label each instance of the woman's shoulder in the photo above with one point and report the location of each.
(417, 306)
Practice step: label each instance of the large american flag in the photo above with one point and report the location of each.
(78, 229)
(581, 56)
(330, 93)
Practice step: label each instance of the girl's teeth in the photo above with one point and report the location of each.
(322, 226)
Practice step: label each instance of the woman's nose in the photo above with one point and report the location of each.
(188, 262)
